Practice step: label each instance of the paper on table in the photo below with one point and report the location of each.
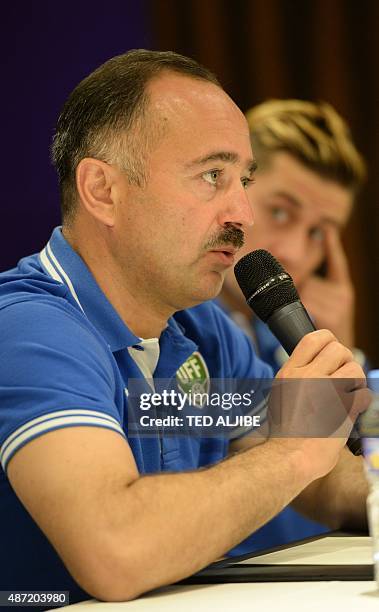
(325, 551)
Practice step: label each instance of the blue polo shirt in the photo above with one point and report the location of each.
(66, 361)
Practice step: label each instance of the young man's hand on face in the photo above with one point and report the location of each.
(330, 300)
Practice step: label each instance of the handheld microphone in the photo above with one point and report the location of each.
(270, 292)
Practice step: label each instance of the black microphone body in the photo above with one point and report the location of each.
(271, 294)
(289, 324)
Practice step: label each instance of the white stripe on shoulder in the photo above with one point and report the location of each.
(63, 273)
(59, 413)
(55, 420)
(48, 266)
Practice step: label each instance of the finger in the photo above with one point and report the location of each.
(355, 403)
(362, 400)
(353, 375)
(331, 359)
(337, 264)
(310, 346)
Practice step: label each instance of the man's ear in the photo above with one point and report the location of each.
(94, 181)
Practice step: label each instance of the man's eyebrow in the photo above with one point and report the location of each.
(225, 156)
(252, 166)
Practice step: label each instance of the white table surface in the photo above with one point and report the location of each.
(329, 550)
(263, 597)
(325, 596)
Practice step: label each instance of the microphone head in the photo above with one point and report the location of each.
(264, 283)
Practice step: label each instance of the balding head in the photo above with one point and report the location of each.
(106, 117)
(187, 106)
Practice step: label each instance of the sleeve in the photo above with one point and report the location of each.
(55, 372)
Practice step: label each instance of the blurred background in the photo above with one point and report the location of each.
(310, 49)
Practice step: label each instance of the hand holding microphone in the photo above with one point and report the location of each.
(270, 292)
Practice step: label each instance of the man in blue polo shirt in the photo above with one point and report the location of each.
(156, 173)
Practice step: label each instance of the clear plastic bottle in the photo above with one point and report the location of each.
(369, 427)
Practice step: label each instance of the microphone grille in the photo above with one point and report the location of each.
(257, 269)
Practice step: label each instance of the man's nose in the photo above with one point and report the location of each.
(237, 209)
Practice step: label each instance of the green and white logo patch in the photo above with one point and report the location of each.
(193, 379)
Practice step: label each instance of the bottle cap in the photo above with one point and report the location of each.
(373, 380)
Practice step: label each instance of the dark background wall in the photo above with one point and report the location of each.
(311, 49)
(47, 47)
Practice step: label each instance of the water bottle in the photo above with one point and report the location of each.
(369, 426)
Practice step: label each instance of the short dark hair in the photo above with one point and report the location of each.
(312, 132)
(104, 108)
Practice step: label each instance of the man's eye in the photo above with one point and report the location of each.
(279, 214)
(212, 176)
(317, 234)
(246, 181)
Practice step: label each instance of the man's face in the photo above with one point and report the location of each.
(177, 237)
(293, 209)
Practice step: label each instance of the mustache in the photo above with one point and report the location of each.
(228, 236)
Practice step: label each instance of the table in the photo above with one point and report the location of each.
(327, 596)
